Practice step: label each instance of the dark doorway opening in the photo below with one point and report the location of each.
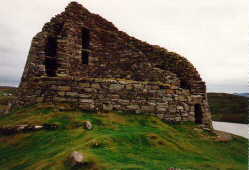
(85, 37)
(85, 57)
(198, 114)
(50, 60)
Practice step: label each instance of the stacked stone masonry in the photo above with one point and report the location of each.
(170, 103)
(81, 58)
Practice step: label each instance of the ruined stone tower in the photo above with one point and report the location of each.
(83, 60)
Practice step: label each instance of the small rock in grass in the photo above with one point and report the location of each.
(76, 159)
(88, 125)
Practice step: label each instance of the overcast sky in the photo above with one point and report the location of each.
(211, 34)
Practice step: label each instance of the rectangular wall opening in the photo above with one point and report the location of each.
(51, 47)
(85, 37)
(50, 60)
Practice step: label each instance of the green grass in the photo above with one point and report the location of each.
(117, 141)
(228, 107)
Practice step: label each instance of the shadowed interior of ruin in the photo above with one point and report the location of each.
(50, 60)
(198, 114)
(85, 37)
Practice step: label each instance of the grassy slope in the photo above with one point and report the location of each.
(118, 141)
(228, 107)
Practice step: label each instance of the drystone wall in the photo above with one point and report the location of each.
(84, 60)
(168, 102)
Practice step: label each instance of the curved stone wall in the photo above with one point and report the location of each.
(168, 102)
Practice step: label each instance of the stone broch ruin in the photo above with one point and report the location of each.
(83, 60)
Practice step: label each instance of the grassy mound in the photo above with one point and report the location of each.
(228, 107)
(117, 141)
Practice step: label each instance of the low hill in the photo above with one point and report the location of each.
(6, 94)
(242, 94)
(228, 107)
(117, 141)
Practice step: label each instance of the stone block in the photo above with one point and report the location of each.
(60, 99)
(61, 93)
(39, 99)
(166, 99)
(169, 91)
(133, 107)
(116, 87)
(72, 94)
(107, 107)
(116, 107)
(64, 88)
(84, 85)
(196, 99)
(96, 86)
(115, 96)
(138, 86)
(148, 108)
(178, 119)
(152, 103)
(86, 101)
(89, 90)
(180, 108)
(161, 109)
(172, 108)
(155, 87)
(162, 104)
(181, 98)
(129, 86)
(84, 95)
(87, 106)
(123, 102)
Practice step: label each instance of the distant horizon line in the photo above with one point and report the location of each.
(16, 84)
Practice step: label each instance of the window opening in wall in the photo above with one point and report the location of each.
(184, 85)
(85, 37)
(198, 114)
(50, 60)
